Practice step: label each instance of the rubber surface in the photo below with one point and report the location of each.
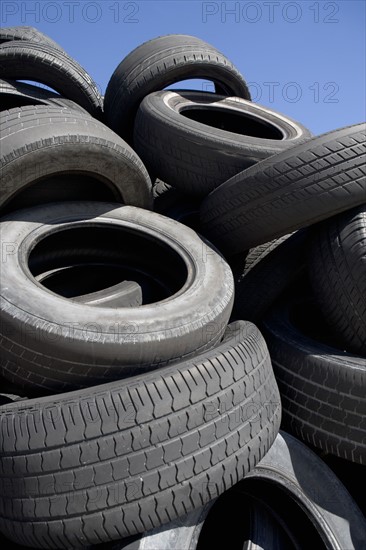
(18, 94)
(103, 344)
(158, 63)
(30, 34)
(21, 60)
(322, 388)
(338, 273)
(294, 189)
(305, 481)
(104, 463)
(51, 153)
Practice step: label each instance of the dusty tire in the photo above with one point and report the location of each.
(29, 34)
(337, 270)
(323, 389)
(21, 60)
(193, 293)
(178, 436)
(18, 94)
(196, 141)
(293, 470)
(307, 504)
(158, 63)
(66, 155)
(294, 189)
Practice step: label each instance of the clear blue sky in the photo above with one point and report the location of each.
(305, 58)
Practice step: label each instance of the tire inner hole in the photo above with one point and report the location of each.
(233, 121)
(83, 260)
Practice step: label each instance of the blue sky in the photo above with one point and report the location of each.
(305, 59)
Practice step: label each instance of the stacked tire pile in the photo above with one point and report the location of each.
(142, 236)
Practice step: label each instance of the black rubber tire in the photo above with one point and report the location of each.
(29, 34)
(337, 270)
(158, 63)
(21, 60)
(179, 437)
(265, 273)
(294, 189)
(196, 156)
(45, 151)
(102, 343)
(308, 484)
(18, 94)
(323, 389)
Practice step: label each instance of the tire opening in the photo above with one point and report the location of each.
(234, 508)
(233, 121)
(83, 260)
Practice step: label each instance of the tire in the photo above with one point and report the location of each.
(265, 273)
(29, 34)
(18, 94)
(195, 302)
(322, 388)
(297, 188)
(300, 509)
(158, 63)
(179, 437)
(290, 477)
(337, 270)
(195, 141)
(65, 155)
(21, 60)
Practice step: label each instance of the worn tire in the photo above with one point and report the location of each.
(103, 343)
(305, 504)
(18, 94)
(265, 272)
(323, 389)
(195, 141)
(337, 270)
(66, 155)
(178, 436)
(21, 60)
(291, 470)
(29, 34)
(158, 63)
(294, 189)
